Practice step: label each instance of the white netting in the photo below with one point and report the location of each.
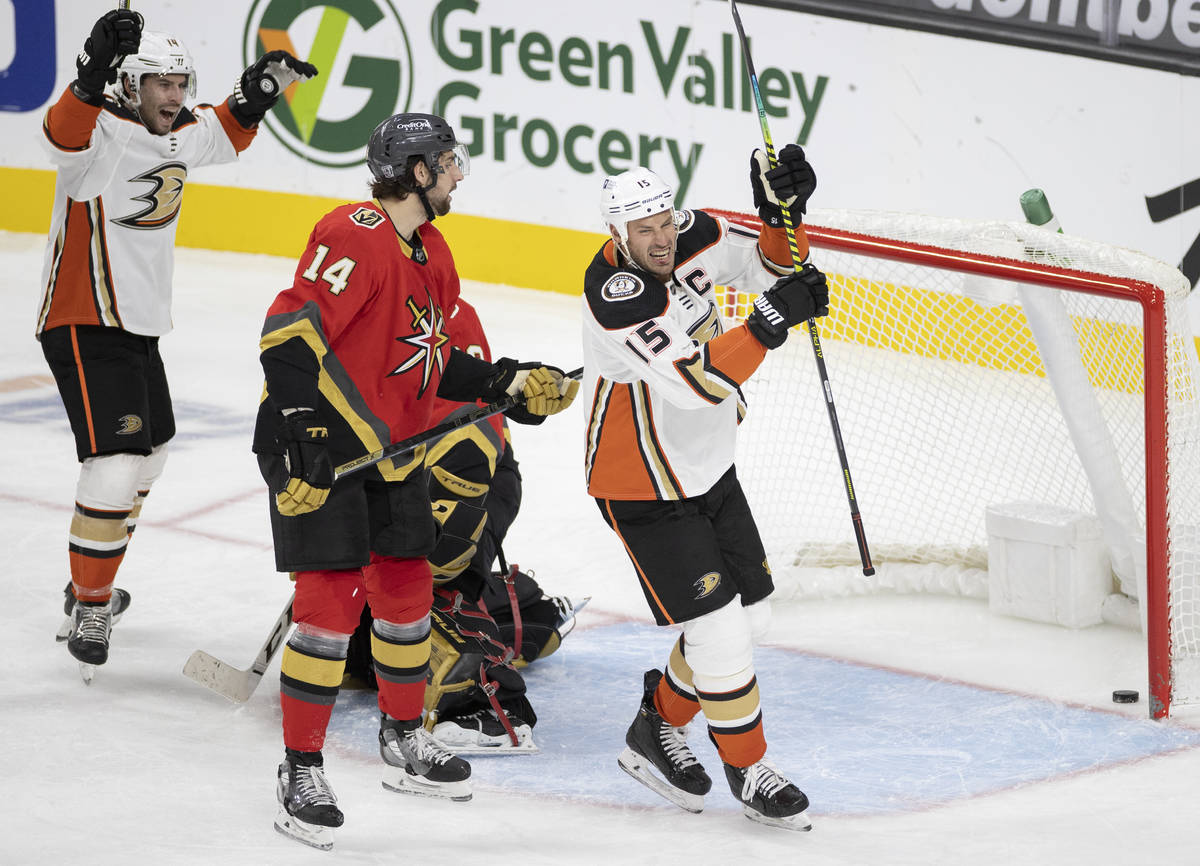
(949, 403)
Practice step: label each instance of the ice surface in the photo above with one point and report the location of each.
(924, 729)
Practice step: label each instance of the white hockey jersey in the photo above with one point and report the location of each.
(117, 197)
(663, 372)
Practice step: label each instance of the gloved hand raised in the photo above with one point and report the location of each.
(546, 389)
(790, 182)
(792, 300)
(114, 35)
(263, 82)
(306, 455)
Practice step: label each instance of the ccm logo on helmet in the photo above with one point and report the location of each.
(622, 287)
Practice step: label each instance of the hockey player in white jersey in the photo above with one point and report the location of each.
(665, 373)
(122, 160)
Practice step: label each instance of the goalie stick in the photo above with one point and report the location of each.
(860, 535)
(238, 685)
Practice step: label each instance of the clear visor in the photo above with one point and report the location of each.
(458, 156)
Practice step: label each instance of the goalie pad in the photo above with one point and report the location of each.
(470, 668)
(461, 524)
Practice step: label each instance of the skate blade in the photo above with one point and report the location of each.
(86, 672)
(798, 821)
(64, 630)
(471, 744)
(642, 770)
(313, 835)
(398, 780)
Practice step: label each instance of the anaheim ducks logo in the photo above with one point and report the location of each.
(163, 200)
(428, 337)
(707, 584)
(130, 424)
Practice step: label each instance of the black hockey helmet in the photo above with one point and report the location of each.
(401, 137)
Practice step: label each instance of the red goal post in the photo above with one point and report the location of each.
(975, 364)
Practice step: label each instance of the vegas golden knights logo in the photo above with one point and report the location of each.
(163, 200)
(707, 584)
(367, 217)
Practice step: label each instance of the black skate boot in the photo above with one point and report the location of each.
(308, 809)
(653, 743)
(120, 602)
(91, 624)
(768, 797)
(419, 764)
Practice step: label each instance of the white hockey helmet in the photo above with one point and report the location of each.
(632, 195)
(158, 54)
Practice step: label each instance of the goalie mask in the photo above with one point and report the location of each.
(395, 142)
(632, 195)
(158, 54)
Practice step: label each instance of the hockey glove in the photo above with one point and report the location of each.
(789, 183)
(795, 298)
(113, 36)
(547, 391)
(263, 82)
(306, 455)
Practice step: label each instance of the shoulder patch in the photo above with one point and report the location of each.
(684, 220)
(366, 217)
(621, 287)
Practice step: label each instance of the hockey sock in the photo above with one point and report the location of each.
(104, 498)
(675, 698)
(401, 654)
(731, 706)
(309, 676)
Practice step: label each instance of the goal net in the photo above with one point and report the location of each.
(974, 365)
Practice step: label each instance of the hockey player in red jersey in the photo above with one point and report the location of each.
(353, 354)
(486, 624)
(122, 162)
(665, 373)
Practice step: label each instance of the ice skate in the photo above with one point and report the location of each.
(120, 602)
(308, 809)
(91, 625)
(482, 733)
(653, 745)
(567, 610)
(419, 764)
(768, 797)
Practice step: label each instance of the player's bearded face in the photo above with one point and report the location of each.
(652, 243)
(447, 182)
(161, 100)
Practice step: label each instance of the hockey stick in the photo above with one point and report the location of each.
(238, 685)
(233, 683)
(404, 445)
(860, 535)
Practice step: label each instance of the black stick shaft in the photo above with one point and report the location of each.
(860, 535)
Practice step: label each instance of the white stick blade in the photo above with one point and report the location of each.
(226, 680)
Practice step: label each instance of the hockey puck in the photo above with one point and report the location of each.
(1125, 696)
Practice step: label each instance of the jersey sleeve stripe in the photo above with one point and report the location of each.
(337, 387)
(238, 135)
(69, 122)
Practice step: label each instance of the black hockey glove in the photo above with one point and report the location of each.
(263, 82)
(113, 36)
(791, 182)
(306, 455)
(794, 299)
